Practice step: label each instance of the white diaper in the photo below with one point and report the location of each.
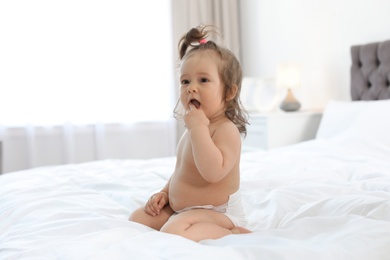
(232, 209)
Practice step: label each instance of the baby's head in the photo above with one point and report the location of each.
(229, 69)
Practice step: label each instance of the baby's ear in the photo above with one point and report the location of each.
(233, 92)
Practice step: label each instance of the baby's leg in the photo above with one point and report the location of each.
(199, 224)
(156, 222)
(240, 230)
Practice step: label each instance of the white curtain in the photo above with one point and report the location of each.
(225, 14)
(33, 146)
(83, 80)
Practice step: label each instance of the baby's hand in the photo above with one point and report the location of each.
(156, 202)
(195, 117)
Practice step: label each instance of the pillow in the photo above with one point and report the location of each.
(357, 119)
(338, 117)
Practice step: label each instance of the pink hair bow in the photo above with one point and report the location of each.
(202, 41)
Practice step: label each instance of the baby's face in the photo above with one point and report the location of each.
(200, 84)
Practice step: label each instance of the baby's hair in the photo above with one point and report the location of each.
(229, 69)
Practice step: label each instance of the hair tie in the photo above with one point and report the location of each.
(202, 41)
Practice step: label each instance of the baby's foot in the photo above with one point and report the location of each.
(240, 230)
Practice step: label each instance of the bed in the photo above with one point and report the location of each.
(327, 198)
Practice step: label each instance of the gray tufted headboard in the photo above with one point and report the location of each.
(370, 71)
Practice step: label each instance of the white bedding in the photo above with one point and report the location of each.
(321, 199)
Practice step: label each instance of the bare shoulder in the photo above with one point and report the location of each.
(226, 133)
(227, 128)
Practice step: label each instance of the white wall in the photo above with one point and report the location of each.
(316, 33)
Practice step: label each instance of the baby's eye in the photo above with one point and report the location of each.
(185, 82)
(203, 80)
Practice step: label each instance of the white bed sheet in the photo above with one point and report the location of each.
(322, 199)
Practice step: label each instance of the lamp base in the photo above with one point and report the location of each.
(290, 103)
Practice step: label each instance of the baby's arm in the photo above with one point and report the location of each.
(157, 201)
(216, 155)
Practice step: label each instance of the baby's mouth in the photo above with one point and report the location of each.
(195, 102)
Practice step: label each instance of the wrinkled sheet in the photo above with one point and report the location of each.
(315, 200)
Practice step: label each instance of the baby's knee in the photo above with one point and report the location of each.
(155, 222)
(137, 214)
(140, 216)
(176, 225)
(172, 228)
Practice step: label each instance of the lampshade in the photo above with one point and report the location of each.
(288, 77)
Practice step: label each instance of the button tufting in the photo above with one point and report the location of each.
(369, 84)
(378, 62)
(388, 83)
(360, 64)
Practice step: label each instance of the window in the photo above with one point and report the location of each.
(84, 61)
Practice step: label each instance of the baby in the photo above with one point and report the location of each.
(201, 200)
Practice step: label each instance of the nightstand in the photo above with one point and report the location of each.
(274, 129)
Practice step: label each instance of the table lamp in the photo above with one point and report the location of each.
(288, 77)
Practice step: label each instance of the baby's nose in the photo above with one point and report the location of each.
(192, 89)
